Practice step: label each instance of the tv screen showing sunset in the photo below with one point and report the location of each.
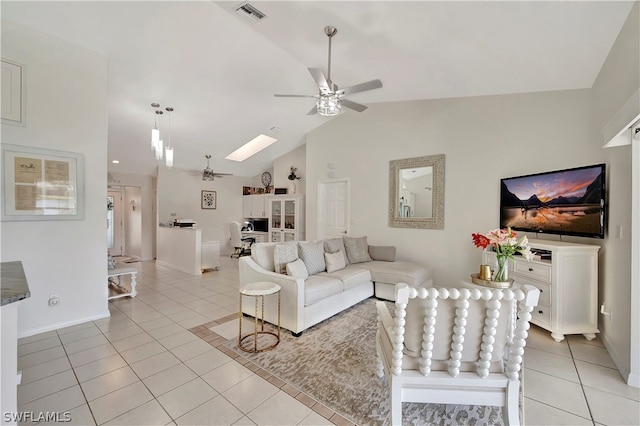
(563, 202)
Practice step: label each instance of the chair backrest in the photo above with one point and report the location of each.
(454, 330)
(235, 234)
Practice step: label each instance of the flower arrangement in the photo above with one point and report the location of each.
(506, 246)
(292, 173)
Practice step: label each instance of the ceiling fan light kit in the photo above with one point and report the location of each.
(328, 105)
(330, 98)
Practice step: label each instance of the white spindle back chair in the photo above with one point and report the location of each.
(455, 346)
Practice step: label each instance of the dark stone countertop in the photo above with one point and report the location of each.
(13, 283)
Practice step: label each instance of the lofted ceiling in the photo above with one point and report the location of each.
(219, 70)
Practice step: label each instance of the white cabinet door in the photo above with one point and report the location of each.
(253, 206)
(247, 205)
(286, 218)
(258, 206)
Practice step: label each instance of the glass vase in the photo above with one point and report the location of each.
(502, 269)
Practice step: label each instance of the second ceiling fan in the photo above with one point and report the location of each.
(330, 97)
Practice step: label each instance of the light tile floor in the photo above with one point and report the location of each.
(152, 362)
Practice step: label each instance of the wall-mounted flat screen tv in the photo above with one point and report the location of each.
(565, 202)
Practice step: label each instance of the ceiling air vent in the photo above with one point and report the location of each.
(247, 10)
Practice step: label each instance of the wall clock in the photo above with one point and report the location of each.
(266, 179)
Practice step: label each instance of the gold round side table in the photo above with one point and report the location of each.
(258, 290)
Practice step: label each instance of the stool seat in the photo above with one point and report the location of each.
(260, 288)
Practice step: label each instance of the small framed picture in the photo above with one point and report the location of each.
(208, 199)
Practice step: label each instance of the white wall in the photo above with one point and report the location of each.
(133, 221)
(179, 193)
(617, 81)
(66, 101)
(282, 168)
(483, 139)
(147, 209)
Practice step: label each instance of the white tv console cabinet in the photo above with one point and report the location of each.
(568, 284)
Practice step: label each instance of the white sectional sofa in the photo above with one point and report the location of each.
(314, 290)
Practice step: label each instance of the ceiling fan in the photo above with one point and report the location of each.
(207, 173)
(330, 98)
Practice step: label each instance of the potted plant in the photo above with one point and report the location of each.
(292, 177)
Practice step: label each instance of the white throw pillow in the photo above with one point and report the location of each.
(334, 261)
(283, 254)
(297, 269)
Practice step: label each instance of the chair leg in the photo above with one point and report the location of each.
(395, 388)
(512, 406)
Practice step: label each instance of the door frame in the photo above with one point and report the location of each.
(322, 192)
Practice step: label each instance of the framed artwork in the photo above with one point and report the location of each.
(208, 199)
(41, 184)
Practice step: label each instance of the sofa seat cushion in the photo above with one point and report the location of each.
(398, 272)
(351, 276)
(318, 287)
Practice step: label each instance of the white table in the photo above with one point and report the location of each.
(118, 273)
(258, 290)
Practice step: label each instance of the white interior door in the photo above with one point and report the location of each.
(333, 208)
(115, 224)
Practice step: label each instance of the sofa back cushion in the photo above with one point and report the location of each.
(262, 254)
(312, 254)
(383, 253)
(283, 254)
(357, 249)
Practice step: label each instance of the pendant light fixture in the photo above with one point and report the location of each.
(159, 144)
(155, 133)
(169, 148)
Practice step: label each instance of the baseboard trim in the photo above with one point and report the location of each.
(58, 326)
(624, 370)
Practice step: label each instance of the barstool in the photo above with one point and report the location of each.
(258, 290)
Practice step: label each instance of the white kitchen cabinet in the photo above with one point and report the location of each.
(254, 206)
(286, 218)
(568, 284)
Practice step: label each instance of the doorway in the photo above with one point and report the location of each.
(115, 223)
(333, 208)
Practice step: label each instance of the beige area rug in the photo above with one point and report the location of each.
(334, 362)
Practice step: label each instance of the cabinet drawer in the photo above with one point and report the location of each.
(542, 313)
(545, 293)
(533, 270)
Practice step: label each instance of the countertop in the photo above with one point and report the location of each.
(14, 286)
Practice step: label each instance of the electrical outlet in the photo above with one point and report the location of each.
(54, 300)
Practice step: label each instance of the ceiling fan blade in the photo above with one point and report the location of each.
(277, 95)
(313, 111)
(320, 79)
(222, 174)
(369, 85)
(353, 105)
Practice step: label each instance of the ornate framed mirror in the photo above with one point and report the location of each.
(416, 192)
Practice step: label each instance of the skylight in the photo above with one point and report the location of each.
(251, 148)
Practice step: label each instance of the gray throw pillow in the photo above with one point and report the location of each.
(357, 249)
(312, 254)
(334, 245)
